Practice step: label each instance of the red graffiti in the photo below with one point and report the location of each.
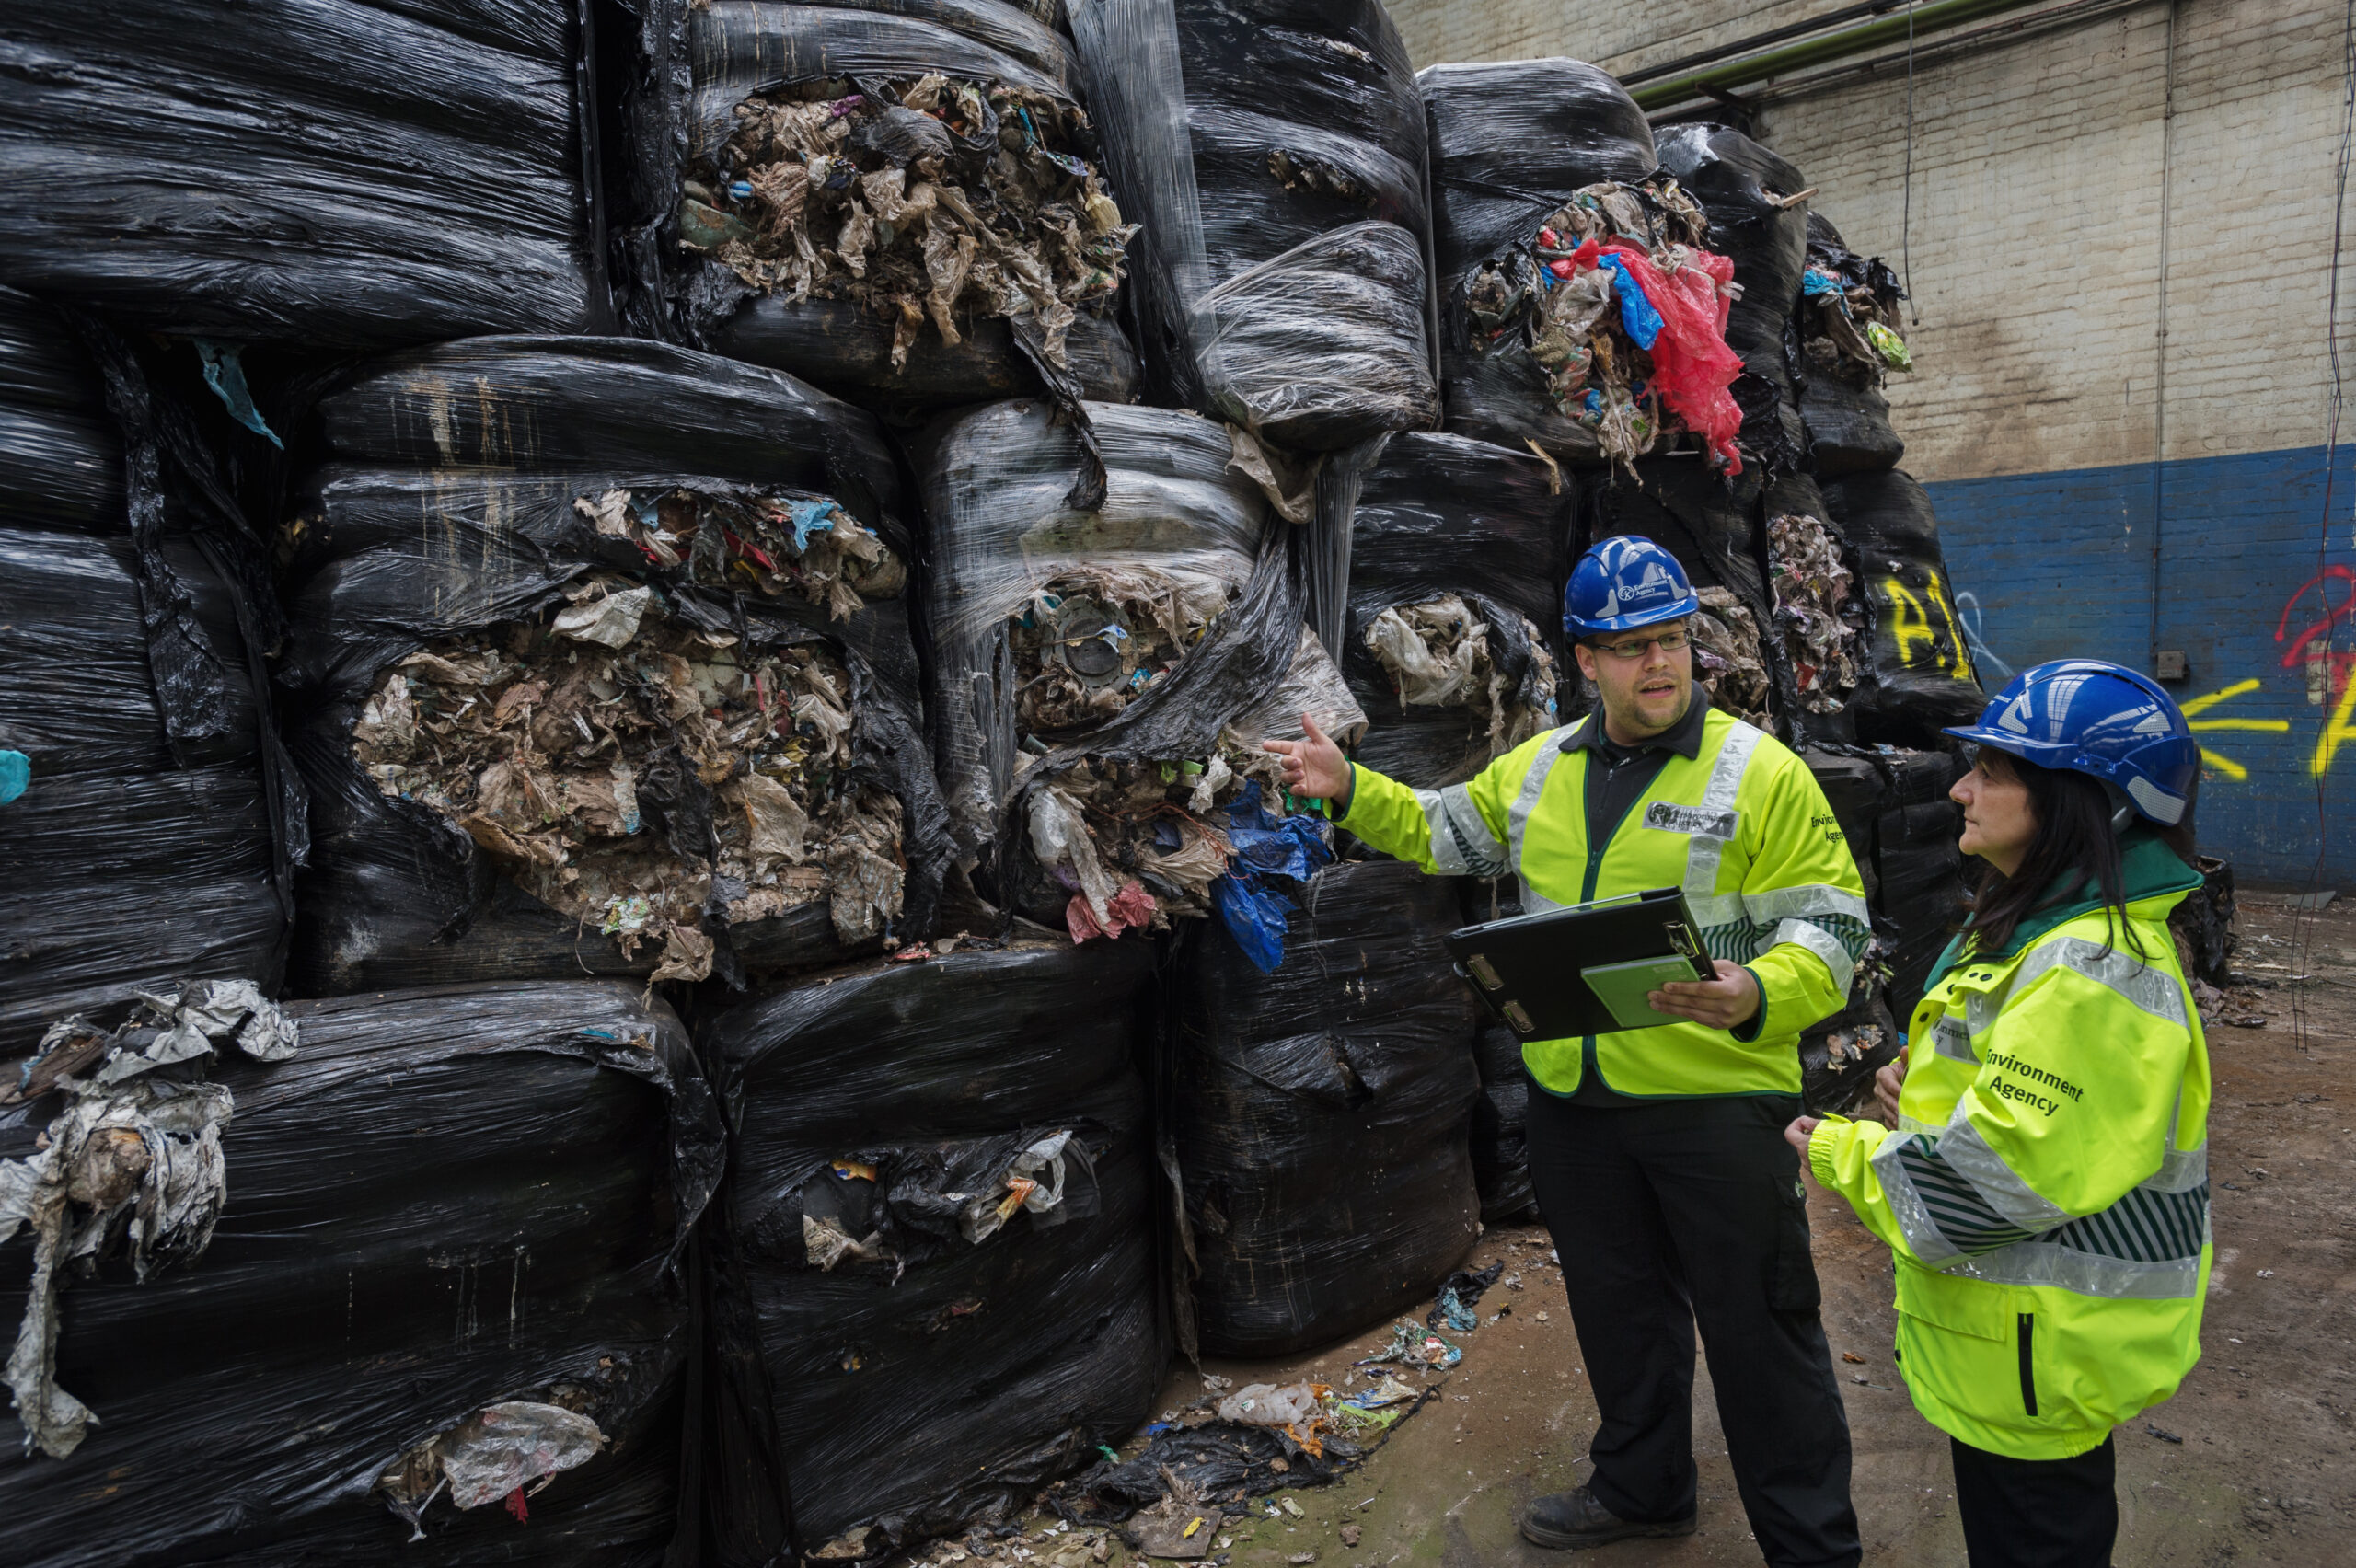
(2313, 645)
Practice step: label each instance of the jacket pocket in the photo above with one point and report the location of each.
(2027, 1330)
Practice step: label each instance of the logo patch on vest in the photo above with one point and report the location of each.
(1693, 820)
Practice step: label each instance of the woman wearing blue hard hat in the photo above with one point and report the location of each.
(2045, 1184)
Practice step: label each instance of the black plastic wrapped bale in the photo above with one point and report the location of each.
(898, 202)
(143, 840)
(1919, 677)
(1839, 1056)
(1510, 142)
(602, 665)
(1500, 1127)
(1843, 359)
(1452, 643)
(304, 170)
(934, 1265)
(1758, 220)
(1104, 674)
(1274, 151)
(1322, 1113)
(1922, 893)
(1711, 523)
(2204, 923)
(447, 1200)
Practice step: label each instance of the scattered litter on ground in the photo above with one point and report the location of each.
(1459, 1295)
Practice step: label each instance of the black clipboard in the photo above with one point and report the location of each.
(1583, 970)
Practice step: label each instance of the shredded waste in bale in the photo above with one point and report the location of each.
(1092, 642)
(510, 1451)
(1438, 655)
(632, 769)
(1625, 314)
(1727, 658)
(922, 200)
(1817, 607)
(1849, 315)
(738, 538)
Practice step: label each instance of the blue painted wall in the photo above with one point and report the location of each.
(2047, 566)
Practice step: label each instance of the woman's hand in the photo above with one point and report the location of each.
(1721, 1003)
(1314, 767)
(1887, 1083)
(1798, 1133)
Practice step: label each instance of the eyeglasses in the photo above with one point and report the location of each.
(1668, 641)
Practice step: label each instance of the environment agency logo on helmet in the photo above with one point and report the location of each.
(1624, 582)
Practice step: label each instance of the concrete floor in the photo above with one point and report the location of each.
(2267, 1468)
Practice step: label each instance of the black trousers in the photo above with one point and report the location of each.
(1673, 1212)
(2038, 1513)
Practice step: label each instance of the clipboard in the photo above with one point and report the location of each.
(1584, 969)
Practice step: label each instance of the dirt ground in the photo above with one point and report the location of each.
(2265, 1468)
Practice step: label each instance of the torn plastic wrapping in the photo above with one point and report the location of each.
(445, 1201)
(147, 838)
(1321, 1113)
(1842, 369)
(1757, 211)
(926, 169)
(1275, 152)
(304, 170)
(1104, 676)
(903, 1370)
(1920, 677)
(1440, 521)
(719, 588)
(1510, 142)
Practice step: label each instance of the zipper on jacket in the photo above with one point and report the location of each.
(2028, 1363)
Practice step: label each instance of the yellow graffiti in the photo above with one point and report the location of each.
(2194, 707)
(2336, 731)
(1911, 623)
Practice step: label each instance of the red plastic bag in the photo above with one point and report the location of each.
(1692, 367)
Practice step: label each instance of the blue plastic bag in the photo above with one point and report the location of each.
(809, 518)
(1638, 317)
(1255, 916)
(1265, 846)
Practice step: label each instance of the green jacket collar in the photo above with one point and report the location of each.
(2147, 867)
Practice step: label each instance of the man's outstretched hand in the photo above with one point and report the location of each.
(1315, 766)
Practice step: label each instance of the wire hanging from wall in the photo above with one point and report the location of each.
(1906, 213)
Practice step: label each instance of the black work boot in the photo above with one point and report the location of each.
(1575, 1519)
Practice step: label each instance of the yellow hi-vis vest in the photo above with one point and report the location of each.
(1743, 827)
(2047, 1191)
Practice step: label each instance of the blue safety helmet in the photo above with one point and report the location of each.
(1622, 584)
(2099, 718)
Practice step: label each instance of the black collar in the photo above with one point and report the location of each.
(1684, 737)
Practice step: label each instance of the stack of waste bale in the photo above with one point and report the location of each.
(1104, 672)
(1274, 151)
(902, 204)
(934, 1259)
(601, 664)
(1456, 554)
(146, 837)
(431, 1244)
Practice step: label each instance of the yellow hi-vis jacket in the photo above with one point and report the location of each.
(1742, 827)
(2047, 1191)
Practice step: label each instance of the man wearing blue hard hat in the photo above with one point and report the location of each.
(1658, 1153)
(2044, 1181)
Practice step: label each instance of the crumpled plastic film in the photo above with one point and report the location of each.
(1435, 517)
(1275, 152)
(1842, 294)
(1728, 659)
(695, 620)
(1500, 1123)
(1919, 677)
(866, 196)
(304, 170)
(1320, 1115)
(446, 1200)
(1125, 660)
(1816, 604)
(148, 821)
(902, 1393)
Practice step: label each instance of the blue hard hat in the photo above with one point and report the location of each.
(2099, 718)
(1622, 584)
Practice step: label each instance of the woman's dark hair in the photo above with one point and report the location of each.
(2074, 846)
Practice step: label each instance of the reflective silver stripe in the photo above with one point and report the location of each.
(1906, 1205)
(1822, 943)
(1799, 902)
(2044, 1263)
(1961, 1146)
(1703, 851)
(1462, 844)
(1954, 1040)
(1909, 1124)
(1980, 1010)
(1540, 766)
(2153, 991)
(1718, 910)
